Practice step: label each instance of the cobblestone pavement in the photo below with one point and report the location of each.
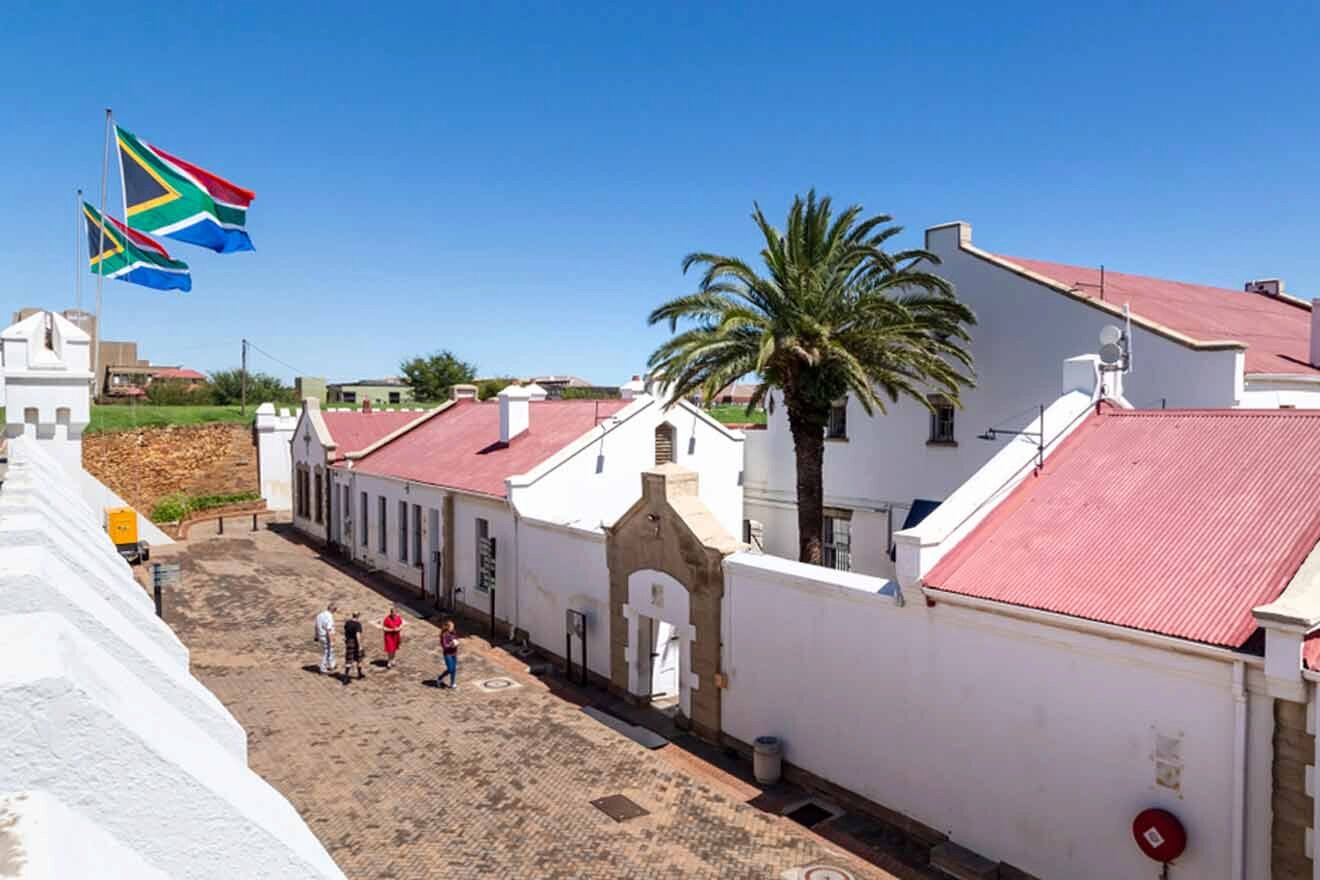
(402, 780)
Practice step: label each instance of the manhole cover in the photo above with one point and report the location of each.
(817, 872)
(809, 814)
(498, 684)
(619, 808)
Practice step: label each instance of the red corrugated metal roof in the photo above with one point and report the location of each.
(1176, 522)
(178, 373)
(460, 448)
(354, 430)
(1277, 332)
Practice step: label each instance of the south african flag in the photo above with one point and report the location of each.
(130, 256)
(168, 196)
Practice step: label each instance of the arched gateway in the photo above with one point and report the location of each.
(665, 558)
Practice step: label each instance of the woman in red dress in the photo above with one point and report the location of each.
(393, 626)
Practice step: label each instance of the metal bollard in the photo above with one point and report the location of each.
(254, 522)
(222, 525)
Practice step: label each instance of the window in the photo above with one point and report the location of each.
(363, 523)
(664, 443)
(346, 508)
(383, 541)
(394, 397)
(320, 499)
(417, 534)
(836, 549)
(403, 531)
(941, 420)
(349, 396)
(837, 427)
(485, 557)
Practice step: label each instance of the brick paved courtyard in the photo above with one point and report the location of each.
(402, 780)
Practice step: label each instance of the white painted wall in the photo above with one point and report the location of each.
(597, 479)
(497, 513)
(394, 491)
(562, 567)
(1024, 332)
(35, 834)
(274, 461)
(948, 715)
(89, 731)
(48, 387)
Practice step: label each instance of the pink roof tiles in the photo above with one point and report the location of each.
(1176, 522)
(354, 430)
(1275, 330)
(179, 373)
(460, 448)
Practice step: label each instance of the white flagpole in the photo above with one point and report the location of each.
(78, 227)
(100, 265)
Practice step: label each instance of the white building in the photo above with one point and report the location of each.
(1121, 629)
(1192, 346)
(501, 503)
(48, 379)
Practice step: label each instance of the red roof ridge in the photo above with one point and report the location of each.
(1208, 412)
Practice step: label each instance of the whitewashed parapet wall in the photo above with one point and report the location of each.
(100, 712)
(274, 461)
(35, 832)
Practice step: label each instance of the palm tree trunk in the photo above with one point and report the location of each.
(809, 451)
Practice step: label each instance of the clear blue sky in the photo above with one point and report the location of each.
(519, 183)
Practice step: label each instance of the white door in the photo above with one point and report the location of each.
(664, 659)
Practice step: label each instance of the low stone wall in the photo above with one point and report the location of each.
(145, 465)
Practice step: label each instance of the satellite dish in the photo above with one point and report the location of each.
(1110, 335)
(1111, 353)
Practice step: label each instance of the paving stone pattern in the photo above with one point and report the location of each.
(402, 780)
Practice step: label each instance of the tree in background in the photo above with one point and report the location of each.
(488, 388)
(177, 392)
(431, 377)
(833, 315)
(227, 388)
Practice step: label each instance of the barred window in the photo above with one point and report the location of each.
(836, 548)
(837, 428)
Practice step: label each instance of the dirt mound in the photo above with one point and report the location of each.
(146, 464)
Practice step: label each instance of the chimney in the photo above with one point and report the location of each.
(1265, 286)
(633, 388)
(462, 392)
(366, 404)
(514, 406)
(1315, 333)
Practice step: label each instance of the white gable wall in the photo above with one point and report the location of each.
(598, 480)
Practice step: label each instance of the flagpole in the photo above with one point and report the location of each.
(77, 249)
(100, 264)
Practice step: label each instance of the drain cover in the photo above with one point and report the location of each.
(817, 872)
(809, 814)
(619, 808)
(498, 684)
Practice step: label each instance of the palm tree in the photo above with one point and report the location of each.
(834, 314)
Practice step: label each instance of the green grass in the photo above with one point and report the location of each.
(126, 418)
(737, 414)
(173, 508)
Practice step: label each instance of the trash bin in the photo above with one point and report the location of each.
(767, 755)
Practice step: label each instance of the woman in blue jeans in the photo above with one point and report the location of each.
(449, 647)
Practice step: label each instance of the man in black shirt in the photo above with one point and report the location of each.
(352, 645)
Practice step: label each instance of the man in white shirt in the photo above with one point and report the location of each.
(325, 634)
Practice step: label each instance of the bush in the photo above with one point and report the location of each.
(491, 387)
(168, 392)
(175, 507)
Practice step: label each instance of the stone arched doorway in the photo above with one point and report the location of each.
(665, 558)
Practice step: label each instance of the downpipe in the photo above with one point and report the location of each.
(1239, 770)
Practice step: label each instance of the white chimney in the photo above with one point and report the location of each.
(633, 388)
(514, 406)
(462, 392)
(1315, 332)
(1265, 286)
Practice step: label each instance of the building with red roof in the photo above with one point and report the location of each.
(1189, 344)
(474, 498)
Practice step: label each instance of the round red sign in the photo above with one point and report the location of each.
(1159, 834)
